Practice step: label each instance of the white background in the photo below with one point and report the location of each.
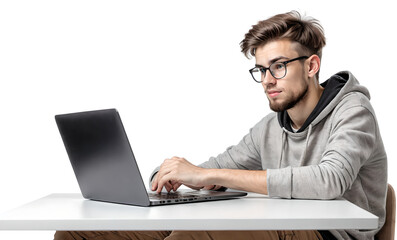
(174, 71)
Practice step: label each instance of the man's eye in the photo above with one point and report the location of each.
(278, 66)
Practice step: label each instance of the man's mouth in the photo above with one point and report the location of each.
(273, 93)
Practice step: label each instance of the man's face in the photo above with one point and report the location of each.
(287, 92)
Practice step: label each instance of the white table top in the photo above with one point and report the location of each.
(70, 211)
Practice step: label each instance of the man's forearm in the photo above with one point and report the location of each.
(246, 180)
(177, 171)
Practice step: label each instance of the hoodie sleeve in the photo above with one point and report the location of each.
(353, 137)
(244, 155)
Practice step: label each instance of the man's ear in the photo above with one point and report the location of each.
(314, 65)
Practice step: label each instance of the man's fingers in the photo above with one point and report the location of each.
(212, 187)
(160, 181)
(164, 182)
(175, 186)
(173, 173)
(154, 182)
(168, 187)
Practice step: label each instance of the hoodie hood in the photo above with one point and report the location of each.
(335, 89)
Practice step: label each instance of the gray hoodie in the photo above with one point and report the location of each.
(339, 154)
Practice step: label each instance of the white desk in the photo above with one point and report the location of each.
(254, 212)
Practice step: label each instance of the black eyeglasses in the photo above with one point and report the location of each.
(277, 69)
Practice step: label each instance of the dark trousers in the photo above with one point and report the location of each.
(188, 235)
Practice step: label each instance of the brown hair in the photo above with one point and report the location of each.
(308, 32)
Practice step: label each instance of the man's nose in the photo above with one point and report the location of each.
(268, 79)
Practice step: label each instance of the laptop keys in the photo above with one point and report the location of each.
(172, 195)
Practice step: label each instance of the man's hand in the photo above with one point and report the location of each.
(177, 171)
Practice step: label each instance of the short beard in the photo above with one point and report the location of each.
(290, 103)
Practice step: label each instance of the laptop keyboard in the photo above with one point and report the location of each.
(171, 195)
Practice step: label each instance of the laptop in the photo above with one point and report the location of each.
(105, 166)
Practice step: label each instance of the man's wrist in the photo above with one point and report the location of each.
(210, 176)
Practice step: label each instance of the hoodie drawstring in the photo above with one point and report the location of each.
(306, 144)
(282, 147)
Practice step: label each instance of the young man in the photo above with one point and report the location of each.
(321, 142)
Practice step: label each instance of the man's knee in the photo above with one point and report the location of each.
(111, 235)
(64, 235)
(85, 235)
(223, 235)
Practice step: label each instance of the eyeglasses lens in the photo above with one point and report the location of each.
(277, 70)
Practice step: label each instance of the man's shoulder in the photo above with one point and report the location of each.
(354, 99)
(270, 121)
(270, 118)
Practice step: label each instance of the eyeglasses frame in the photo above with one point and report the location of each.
(264, 69)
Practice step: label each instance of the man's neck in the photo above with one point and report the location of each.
(301, 111)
